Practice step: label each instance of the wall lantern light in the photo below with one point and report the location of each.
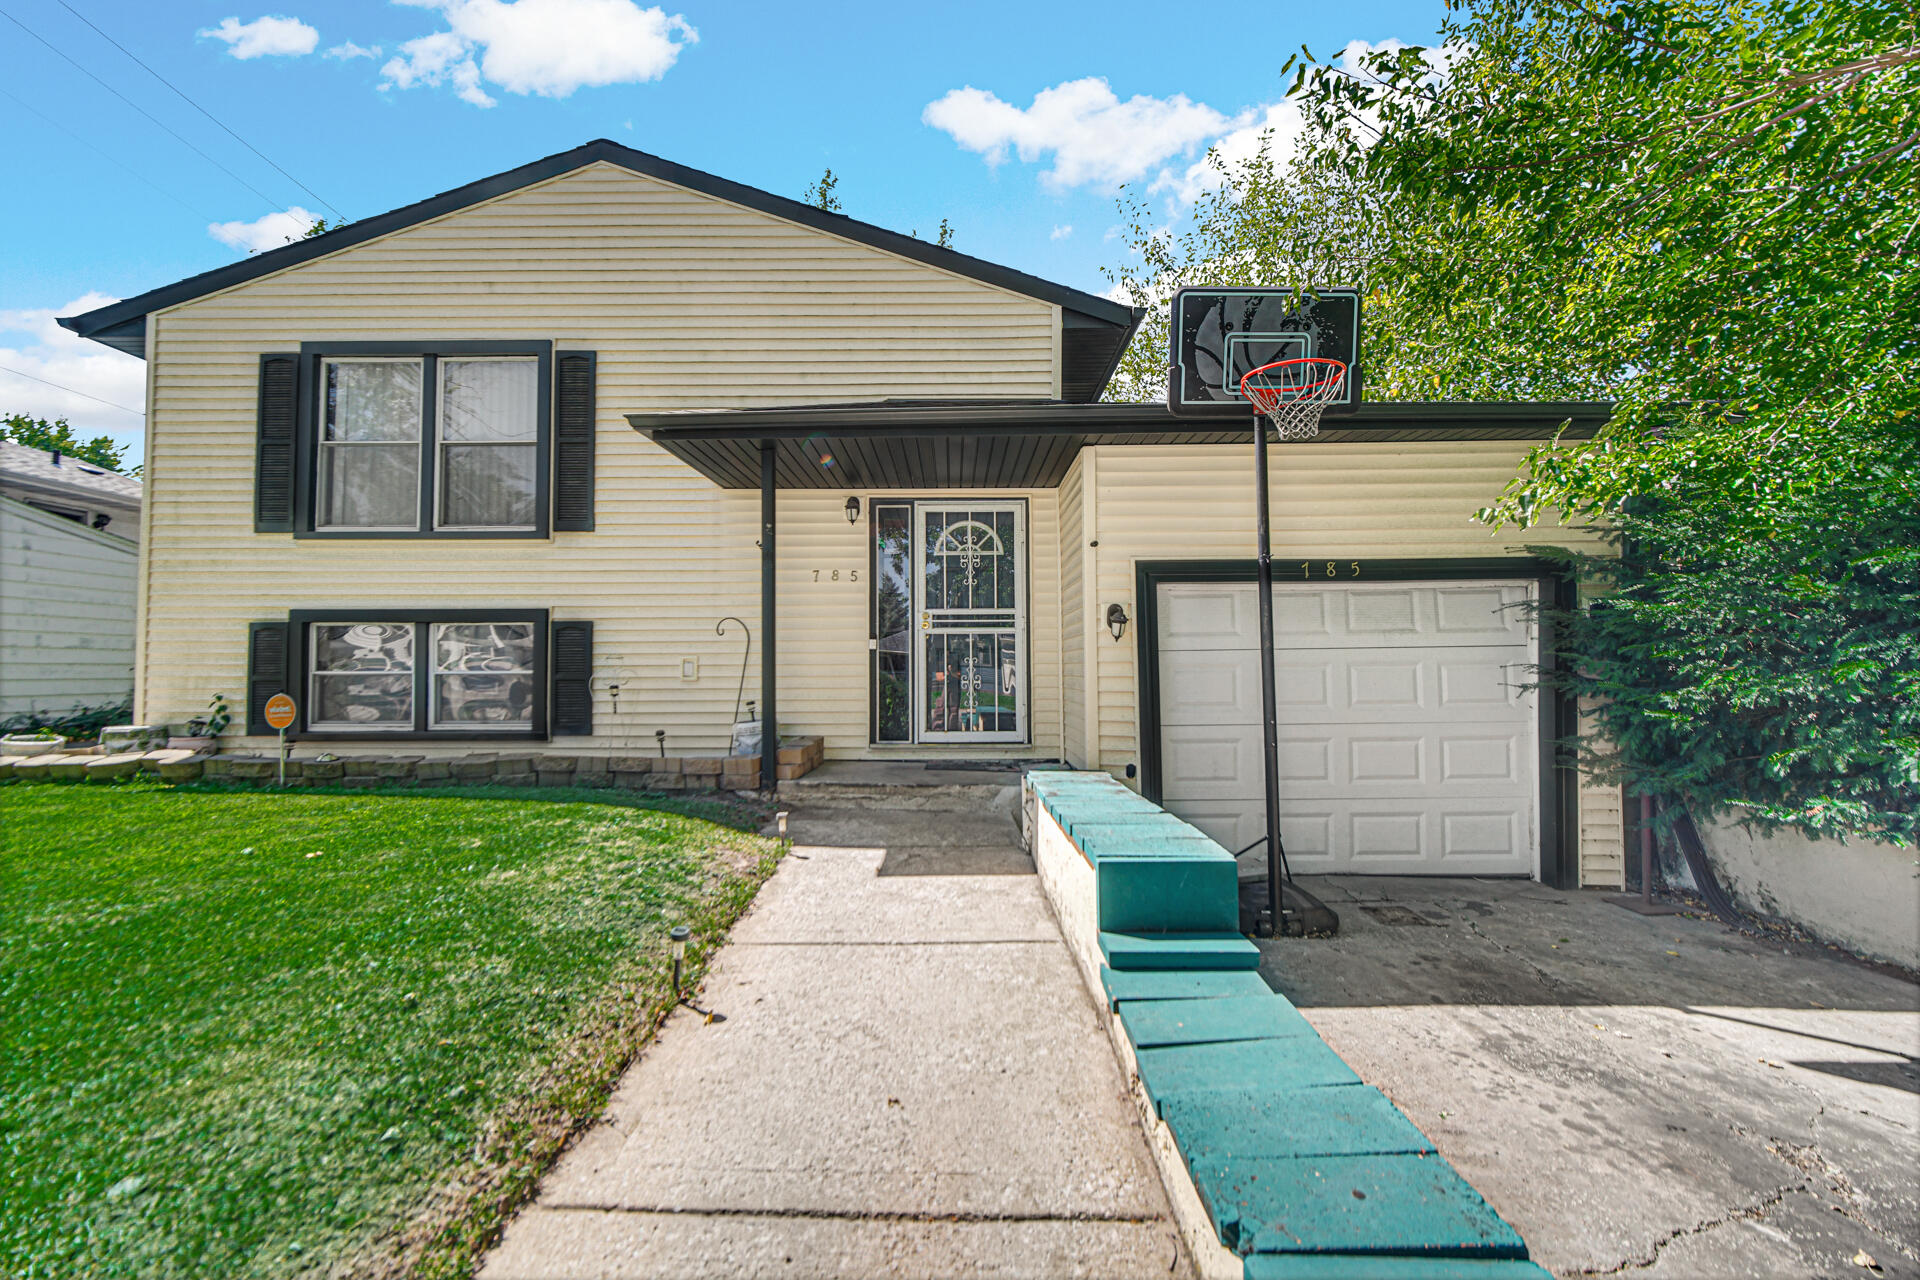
(853, 511)
(1117, 620)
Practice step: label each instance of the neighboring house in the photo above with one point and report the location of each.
(449, 472)
(66, 613)
(71, 488)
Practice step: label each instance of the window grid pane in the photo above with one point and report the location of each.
(489, 421)
(369, 454)
(483, 674)
(362, 675)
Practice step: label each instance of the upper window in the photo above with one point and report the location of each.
(426, 443)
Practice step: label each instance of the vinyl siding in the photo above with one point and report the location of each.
(66, 613)
(1339, 502)
(691, 303)
(1073, 617)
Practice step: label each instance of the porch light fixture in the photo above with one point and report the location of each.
(853, 511)
(1117, 620)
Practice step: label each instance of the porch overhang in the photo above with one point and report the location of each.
(1028, 444)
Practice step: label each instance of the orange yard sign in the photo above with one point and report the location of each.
(280, 711)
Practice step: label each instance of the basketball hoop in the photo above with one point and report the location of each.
(1293, 393)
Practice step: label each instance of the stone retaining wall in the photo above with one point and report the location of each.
(633, 773)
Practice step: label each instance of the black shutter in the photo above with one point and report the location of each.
(573, 413)
(572, 658)
(266, 672)
(274, 444)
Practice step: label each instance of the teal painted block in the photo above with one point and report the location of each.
(1292, 1062)
(1128, 820)
(1178, 984)
(1144, 895)
(1340, 1120)
(1152, 1024)
(1183, 950)
(1306, 1266)
(1403, 1204)
(1151, 842)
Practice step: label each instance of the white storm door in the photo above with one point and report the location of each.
(970, 621)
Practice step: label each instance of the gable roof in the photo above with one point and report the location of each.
(1096, 329)
(76, 477)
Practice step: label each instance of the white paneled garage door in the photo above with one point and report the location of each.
(1407, 735)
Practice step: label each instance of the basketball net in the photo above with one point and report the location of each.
(1292, 394)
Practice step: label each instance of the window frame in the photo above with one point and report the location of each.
(300, 624)
(313, 358)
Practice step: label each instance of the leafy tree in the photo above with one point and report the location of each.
(945, 237)
(1703, 210)
(38, 433)
(820, 194)
(321, 226)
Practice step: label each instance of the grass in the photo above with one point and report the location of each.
(256, 1034)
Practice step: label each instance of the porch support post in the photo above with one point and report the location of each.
(769, 717)
(1276, 855)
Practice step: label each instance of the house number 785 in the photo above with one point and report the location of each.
(833, 575)
(1313, 568)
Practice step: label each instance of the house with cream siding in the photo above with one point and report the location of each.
(451, 475)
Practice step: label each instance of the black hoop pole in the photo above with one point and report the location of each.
(1269, 720)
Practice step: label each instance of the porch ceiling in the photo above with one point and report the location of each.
(1000, 444)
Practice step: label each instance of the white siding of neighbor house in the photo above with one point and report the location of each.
(66, 613)
(690, 302)
(1329, 501)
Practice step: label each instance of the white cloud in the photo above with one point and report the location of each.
(283, 37)
(349, 49)
(269, 231)
(1094, 138)
(1061, 232)
(548, 47)
(32, 344)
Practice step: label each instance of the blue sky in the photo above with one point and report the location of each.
(1016, 121)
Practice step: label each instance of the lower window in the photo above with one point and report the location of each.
(452, 673)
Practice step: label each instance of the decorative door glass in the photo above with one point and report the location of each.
(970, 611)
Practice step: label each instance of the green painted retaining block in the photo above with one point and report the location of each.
(1178, 984)
(1153, 842)
(1339, 1120)
(1291, 1062)
(1183, 950)
(1152, 1024)
(1410, 1205)
(1303, 1266)
(1136, 895)
(1127, 822)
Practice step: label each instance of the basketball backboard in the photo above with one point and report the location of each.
(1220, 334)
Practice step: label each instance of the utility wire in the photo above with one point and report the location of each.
(202, 110)
(70, 391)
(142, 110)
(130, 171)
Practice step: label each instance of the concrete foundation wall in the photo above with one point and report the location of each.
(1863, 894)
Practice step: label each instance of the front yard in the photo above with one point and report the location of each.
(255, 1034)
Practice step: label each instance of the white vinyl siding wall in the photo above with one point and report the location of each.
(691, 303)
(66, 613)
(1329, 501)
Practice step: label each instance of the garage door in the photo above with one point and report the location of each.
(1407, 735)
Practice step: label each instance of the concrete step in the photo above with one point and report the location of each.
(961, 797)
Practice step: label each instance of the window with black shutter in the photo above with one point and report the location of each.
(417, 674)
(453, 440)
(572, 679)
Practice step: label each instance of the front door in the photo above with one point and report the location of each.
(962, 655)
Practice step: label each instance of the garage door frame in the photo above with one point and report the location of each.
(1555, 589)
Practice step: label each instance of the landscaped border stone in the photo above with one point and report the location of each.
(632, 773)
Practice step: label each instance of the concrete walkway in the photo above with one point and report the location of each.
(910, 1081)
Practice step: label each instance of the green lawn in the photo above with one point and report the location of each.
(247, 1034)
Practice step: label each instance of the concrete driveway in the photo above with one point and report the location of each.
(1637, 1096)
